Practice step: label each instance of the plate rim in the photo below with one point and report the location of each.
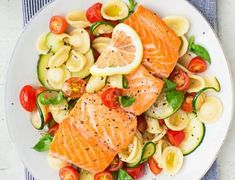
(9, 64)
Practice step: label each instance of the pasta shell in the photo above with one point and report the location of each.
(77, 19)
(60, 57)
(76, 61)
(41, 44)
(101, 43)
(184, 46)
(161, 145)
(55, 162)
(177, 121)
(196, 83)
(153, 125)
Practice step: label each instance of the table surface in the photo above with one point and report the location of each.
(11, 167)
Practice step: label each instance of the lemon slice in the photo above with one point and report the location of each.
(122, 56)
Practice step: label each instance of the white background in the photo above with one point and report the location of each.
(11, 167)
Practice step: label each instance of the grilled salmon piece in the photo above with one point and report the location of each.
(144, 87)
(93, 134)
(161, 44)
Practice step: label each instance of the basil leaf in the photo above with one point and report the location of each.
(175, 98)
(126, 101)
(169, 85)
(123, 175)
(132, 6)
(199, 50)
(44, 143)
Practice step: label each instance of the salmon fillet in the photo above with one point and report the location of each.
(93, 134)
(144, 87)
(161, 44)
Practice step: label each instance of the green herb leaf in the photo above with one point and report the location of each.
(123, 175)
(199, 50)
(126, 101)
(44, 143)
(175, 98)
(132, 6)
(125, 83)
(169, 85)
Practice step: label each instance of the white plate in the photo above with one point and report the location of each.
(22, 70)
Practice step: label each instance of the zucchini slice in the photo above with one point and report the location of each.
(116, 81)
(86, 69)
(42, 67)
(43, 112)
(55, 42)
(95, 84)
(99, 28)
(59, 111)
(50, 97)
(212, 81)
(194, 135)
(36, 120)
(162, 108)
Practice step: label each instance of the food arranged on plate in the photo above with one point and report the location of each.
(121, 88)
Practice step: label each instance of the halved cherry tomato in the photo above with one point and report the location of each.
(136, 172)
(104, 176)
(187, 105)
(58, 24)
(96, 54)
(92, 37)
(68, 173)
(115, 165)
(153, 165)
(74, 87)
(197, 65)
(109, 35)
(181, 79)
(39, 90)
(161, 122)
(110, 97)
(48, 117)
(28, 98)
(52, 130)
(93, 13)
(141, 123)
(175, 137)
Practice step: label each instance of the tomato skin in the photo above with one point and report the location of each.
(110, 97)
(93, 13)
(58, 24)
(175, 137)
(28, 98)
(161, 122)
(48, 117)
(92, 37)
(74, 87)
(197, 65)
(141, 123)
(109, 35)
(96, 54)
(104, 175)
(153, 165)
(187, 105)
(52, 130)
(181, 79)
(115, 165)
(39, 90)
(68, 173)
(136, 172)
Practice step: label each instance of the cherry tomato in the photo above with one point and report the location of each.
(181, 79)
(197, 65)
(39, 90)
(153, 165)
(92, 37)
(93, 13)
(28, 98)
(136, 172)
(187, 105)
(161, 122)
(175, 137)
(115, 165)
(52, 130)
(114, 23)
(110, 97)
(48, 117)
(109, 35)
(104, 176)
(68, 173)
(141, 123)
(58, 25)
(74, 87)
(96, 54)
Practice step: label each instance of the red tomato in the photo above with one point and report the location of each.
(110, 97)
(136, 172)
(115, 165)
(175, 137)
(93, 13)
(92, 37)
(68, 173)
(187, 105)
(161, 122)
(181, 79)
(141, 123)
(114, 23)
(96, 54)
(53, 129)
(39, 90)
(104, 176)
(109, 35)
(153, 165)
(197, 65)
(58, 25)
(28, 98)
(48, 117)
(74, 87)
